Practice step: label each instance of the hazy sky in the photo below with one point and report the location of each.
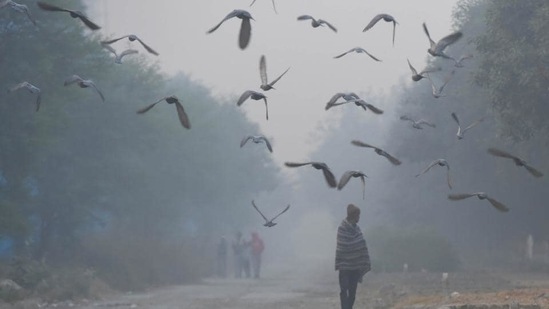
(177, 30)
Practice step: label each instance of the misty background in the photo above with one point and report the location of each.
(142, 201)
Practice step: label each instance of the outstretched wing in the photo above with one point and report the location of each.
(533, 171)
(293, 164)
(345, 53)
(455, 117)
(322, 21)
(499, 206)
(362, 144)
(274, 81)
(373, 22)
(245, 140)
(447, 40)
(345, 179)
(263, 70)
(372, 56)
(305, 17)
(374, 109)
(428, 168)
(473, 124)
(19, 86)
(428, 35)
(267, 143)
(421, 121)
(148, 107)
(501, 153)
(73, 79)
(391, 159)
(127, 52)
(147, 47)
(414, 71)
(245, 33)
(244, 97)
(183, 118)
(50, 7)
(329, 176)
(253, 203)
(98, 91)
(106, 46)
(87, 22)
(283, 211)
(229, 16)
(114, 40)
(460, 196)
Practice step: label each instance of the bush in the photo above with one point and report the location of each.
(421, 248)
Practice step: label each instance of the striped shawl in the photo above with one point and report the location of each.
(351, 251)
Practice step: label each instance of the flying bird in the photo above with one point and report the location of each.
(357, 50)
(265, 85)
(353, 174)
(274, 7)
(245, 26)
(481, 196)
(74, 14)
(417, 124)
(83, 83)
(379, 151)
(131, 38)
(21, 8)
(317, 22)
(385, 17)
(183, 118)
(518, 161)
(256, 139)
(270, 223)
(459, 62)
(439, 162)
(437, 91)
(118, 57)
(32, 89)
(347, 96)
(460, 131)
(328, 175)
(254, 95)
(437, 49)
(419, 76)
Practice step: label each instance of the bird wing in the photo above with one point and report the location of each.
(283, 211)
(432, 43)
(97, 90)
(50, 7)
(245, 33)
(473, 124)
(447, 40)
(345, 179)
(274, 81)
(455, 117)
(38, 100)
(373, 22)
(448, 176)
(372, 56)
(460, 196)
(266, 109)
(267, 143)
(391, 159)
(147, 47)
(335, 97)
(374, 109)
(28, 13)
(305, 17)
(345, 53)
(244, 97)
(266, 220)
(394, 31)
(73, 79)
(406, 118)
(428, 168)
(421, 121)
(109, 48)
(87, 22)
(245, 140)
(499, 206)
(274, 6)
(114, 40)
(414, 71)
(501, 153)
(183, 118)
(322, 21)
(148, 107)
(19, 86)
(362, 144)
(127, 52)
(329, 176)
(263, 70)
(293, 164)
(533, 171)
(229, 16)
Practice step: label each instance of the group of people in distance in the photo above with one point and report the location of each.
(246, 255)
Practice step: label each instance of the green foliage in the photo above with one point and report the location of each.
(420, 247)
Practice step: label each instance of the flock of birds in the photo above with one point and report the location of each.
(436, 49)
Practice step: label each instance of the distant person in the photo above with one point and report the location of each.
(257, 247)
(222, 257)
(351, 258)
(241, 256)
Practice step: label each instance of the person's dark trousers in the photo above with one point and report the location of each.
(348, 280)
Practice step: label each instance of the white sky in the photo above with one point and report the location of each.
(177, 30)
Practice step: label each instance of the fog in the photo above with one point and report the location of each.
(144, 201)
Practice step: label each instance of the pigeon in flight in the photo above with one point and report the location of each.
(379, 151)
(256, 139)
(317, 22)
(481, 196)
(437, 49)
(183, 118)
(328, 175)
(254, 95)
(354, 174)
(419, 76)
(245, 26)
(83, 83)
(518, 161)
(437, 91)
(131, 37)
(417, 124)
(385, 17)
(32, 89)
(74, 14)
(118, 57)
(18, 7)
(460, 131)
(270, 223)
(265, 85)
(274, 6)
(358, 50)
(439, 162)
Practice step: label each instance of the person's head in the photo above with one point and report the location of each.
(353, 213)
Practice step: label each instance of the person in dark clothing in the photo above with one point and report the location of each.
(352, 259)
(222, 257)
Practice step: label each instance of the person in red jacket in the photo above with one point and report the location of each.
(257, 247)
